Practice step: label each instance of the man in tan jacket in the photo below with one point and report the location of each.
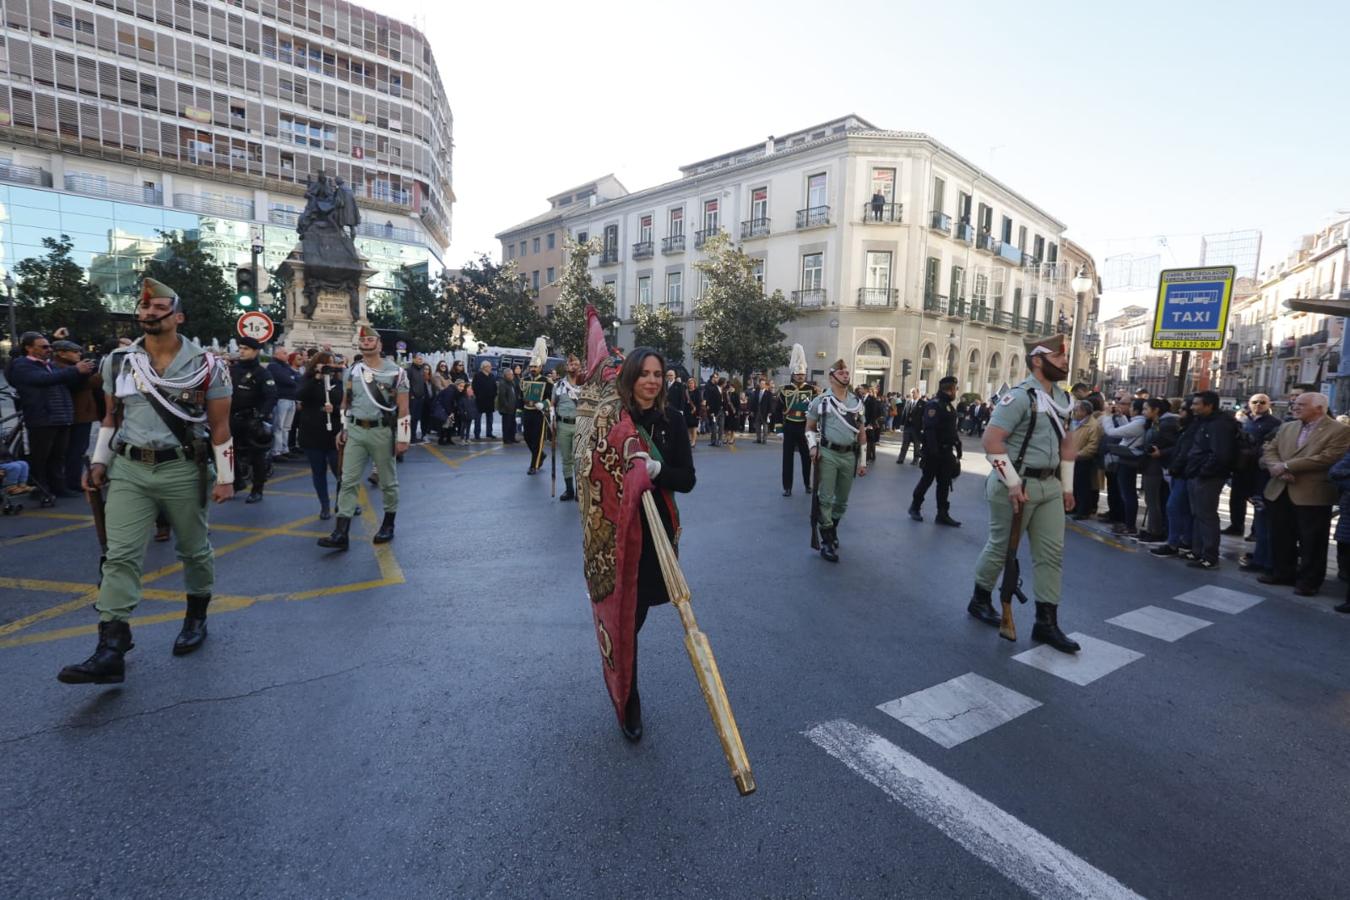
(1086, 434)
(1299, 495)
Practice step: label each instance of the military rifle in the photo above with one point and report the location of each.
(1011, 586)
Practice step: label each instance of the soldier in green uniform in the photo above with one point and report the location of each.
(834, 422)
(793, 399)
(168, 418)
(1030, 422)
(565, 394)
(376, 427)
(536, 393)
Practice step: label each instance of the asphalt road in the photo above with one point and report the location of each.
(429, 721)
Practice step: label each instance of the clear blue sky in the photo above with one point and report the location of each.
(1124, 120)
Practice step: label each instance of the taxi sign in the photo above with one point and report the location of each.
(256, 325)
(1192, 311)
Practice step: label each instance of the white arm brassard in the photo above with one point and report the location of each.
(224, 454)
(1066, 475)
(1003, 468)
(404, 432)
(812, 438)
(103, 451)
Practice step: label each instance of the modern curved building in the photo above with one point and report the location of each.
(122, 118)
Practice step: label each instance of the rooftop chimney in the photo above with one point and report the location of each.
(768, 146)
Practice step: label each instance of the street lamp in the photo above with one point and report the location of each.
(616, 323)
(9, 296)
(952, 354)
(1081, 284)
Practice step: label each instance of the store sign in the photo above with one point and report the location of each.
(872, 362)
(1192, 310)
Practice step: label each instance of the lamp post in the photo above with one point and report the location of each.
(616, 323)
(1081, 284)
(9, 296)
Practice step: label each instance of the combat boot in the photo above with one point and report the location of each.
(829, 550)
(106, 666)
(944, 518)
(1046, 630)
(338, 539)
(386, 532)
(981, 606)
(570, 493)
(914, 513)
(194, 625)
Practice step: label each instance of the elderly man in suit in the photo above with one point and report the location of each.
(1299, 494)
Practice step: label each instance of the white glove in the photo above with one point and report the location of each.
(653, 466)
(539, 406)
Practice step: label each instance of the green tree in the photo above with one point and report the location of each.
(473, 291)
(740, 332)
(660, 330)
(426, 316)
(53, 291)
(511, 319)
(206, 292)
(576, 292)
(382, 309)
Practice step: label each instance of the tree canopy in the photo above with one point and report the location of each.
(512, 319)
(740, 332)
(208, 296)
(577, 291)
(52, 291)
(659, 329)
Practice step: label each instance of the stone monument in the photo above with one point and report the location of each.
(325, 277)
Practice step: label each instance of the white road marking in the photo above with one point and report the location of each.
(1097, 658)
(1219, 599)
(1162, 624)
(957, 710)
(1016, 850)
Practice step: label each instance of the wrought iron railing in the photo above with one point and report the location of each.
(940, 221)
(278, 216)
(609, 256)
(673, 244)
(878, 298)
(642, 250)
(1004, 319)
(754, 228)
(813, 216)
(964, 232)
(389, 232)
(979, 312)
(707, 234)
(985, 242)
(810, 298)
(956, 306)
(1030, 262)
(114, 190)
(34, 175)
(227, 207)
(1311, 340)
(934, 302)
(886, 212)
(676, 307)
(1008, 252)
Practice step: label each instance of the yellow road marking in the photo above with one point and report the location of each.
(51, 613)
(1089, 533)
(237, 545)
(42, 514)
(42, 534)
(455, 463)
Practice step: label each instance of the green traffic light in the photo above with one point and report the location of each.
(245, 300)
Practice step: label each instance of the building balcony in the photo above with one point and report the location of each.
(1327, 289)
(1030, 262)
(1030, 326)
(609, 256)
(886, 214)
(388, 232)
(282, 216)
(672, 244)
(1312, 340)
(225, 207)
(810, 298)
(878, 298)
(707, 234)
(940, 221)
(1003, 319)
(813, 217)
(674, 307)
(753, 228)
(114, 190)
(934, 303)
(979, 312)
(1007, 252)
(33, 175)
(642, 250)
(964, 232)
(956, 306)
(985, 242)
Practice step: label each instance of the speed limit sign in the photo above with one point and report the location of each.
(256, 325)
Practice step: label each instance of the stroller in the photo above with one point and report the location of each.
(14, 445)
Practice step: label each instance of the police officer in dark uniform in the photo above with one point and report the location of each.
(941, 453)
(255, 396)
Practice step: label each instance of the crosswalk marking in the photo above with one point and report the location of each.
(955, 711)
(1096, 659)
(1162, 624)
(1219, 599)
(1019, 852)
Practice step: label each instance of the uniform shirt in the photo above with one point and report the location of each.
(795, 400)
(565, 394)
(390, 379)
(141, 425)
(1013, 414)
(836, 430)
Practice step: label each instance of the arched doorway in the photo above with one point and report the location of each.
(951, 360)
(872, 364)
(973, 372)
(995, 371)
(926, 384)
(1014, 370)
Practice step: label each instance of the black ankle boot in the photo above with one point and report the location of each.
(829, 550)
(106, 666)
(914, 513)
(570, 493)
(194, 625)
(338, 539)
(944, 518)
(1046, 630)
(386, 532)
(981, 606)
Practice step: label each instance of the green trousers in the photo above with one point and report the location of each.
(837, 471)
(366, 445)
(1043, 522)
(566, 432)
(137, 494)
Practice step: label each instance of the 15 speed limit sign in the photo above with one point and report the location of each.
(256, 325)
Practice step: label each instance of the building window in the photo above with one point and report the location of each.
(583, 236)
(931, 273)
(1006, 233)
(522, 248)
(1022, 238)
(1038, 247)
(878, 270)
(963, 201)
(535, 246)
(757, 272)
(676, 221)
(957, 287)
(883, 183)
(511, 251)
(816, 195)
(551, 242)
(986, 223)
(645, 229)
(939, 192)
(612, 241)
(550, 276)
(674, 289)
(534, 279)
(813, 271)
(759, 204)
(644, 297)
(710, 215)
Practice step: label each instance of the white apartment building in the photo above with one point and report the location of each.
(949, 274)
(1128, 363)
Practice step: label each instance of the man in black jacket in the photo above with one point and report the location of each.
(484, 398)
(911, 421)
(48, 411)
(1209, 462)
(251, 408)
(941, 453)
(1259, 428)
(712, 400)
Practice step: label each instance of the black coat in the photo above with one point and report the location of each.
(941, 442)
(1340, 476)
(667, 430)
(1213, 446)
(484, 392)
(44, 391)
(1162, 433)
(311, 419)
(1174, 457)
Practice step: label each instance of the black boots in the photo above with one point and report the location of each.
(325, 513)
(106, 666)
(1046, 630)
(829, 544)
(914, 512)
(386, 532)
(944, 518)
(632, 712)
(338, 539)
(255, 496)
(981, 606)
(194, 625)
(570, 493)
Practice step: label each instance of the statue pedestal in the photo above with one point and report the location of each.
(333, 322)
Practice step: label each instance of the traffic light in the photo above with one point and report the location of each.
(245, 290)
(905, 367)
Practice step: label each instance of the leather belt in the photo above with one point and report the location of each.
(368, 423)
(841, 448)
(150, 456)
(1040, 473)
(567, 421)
